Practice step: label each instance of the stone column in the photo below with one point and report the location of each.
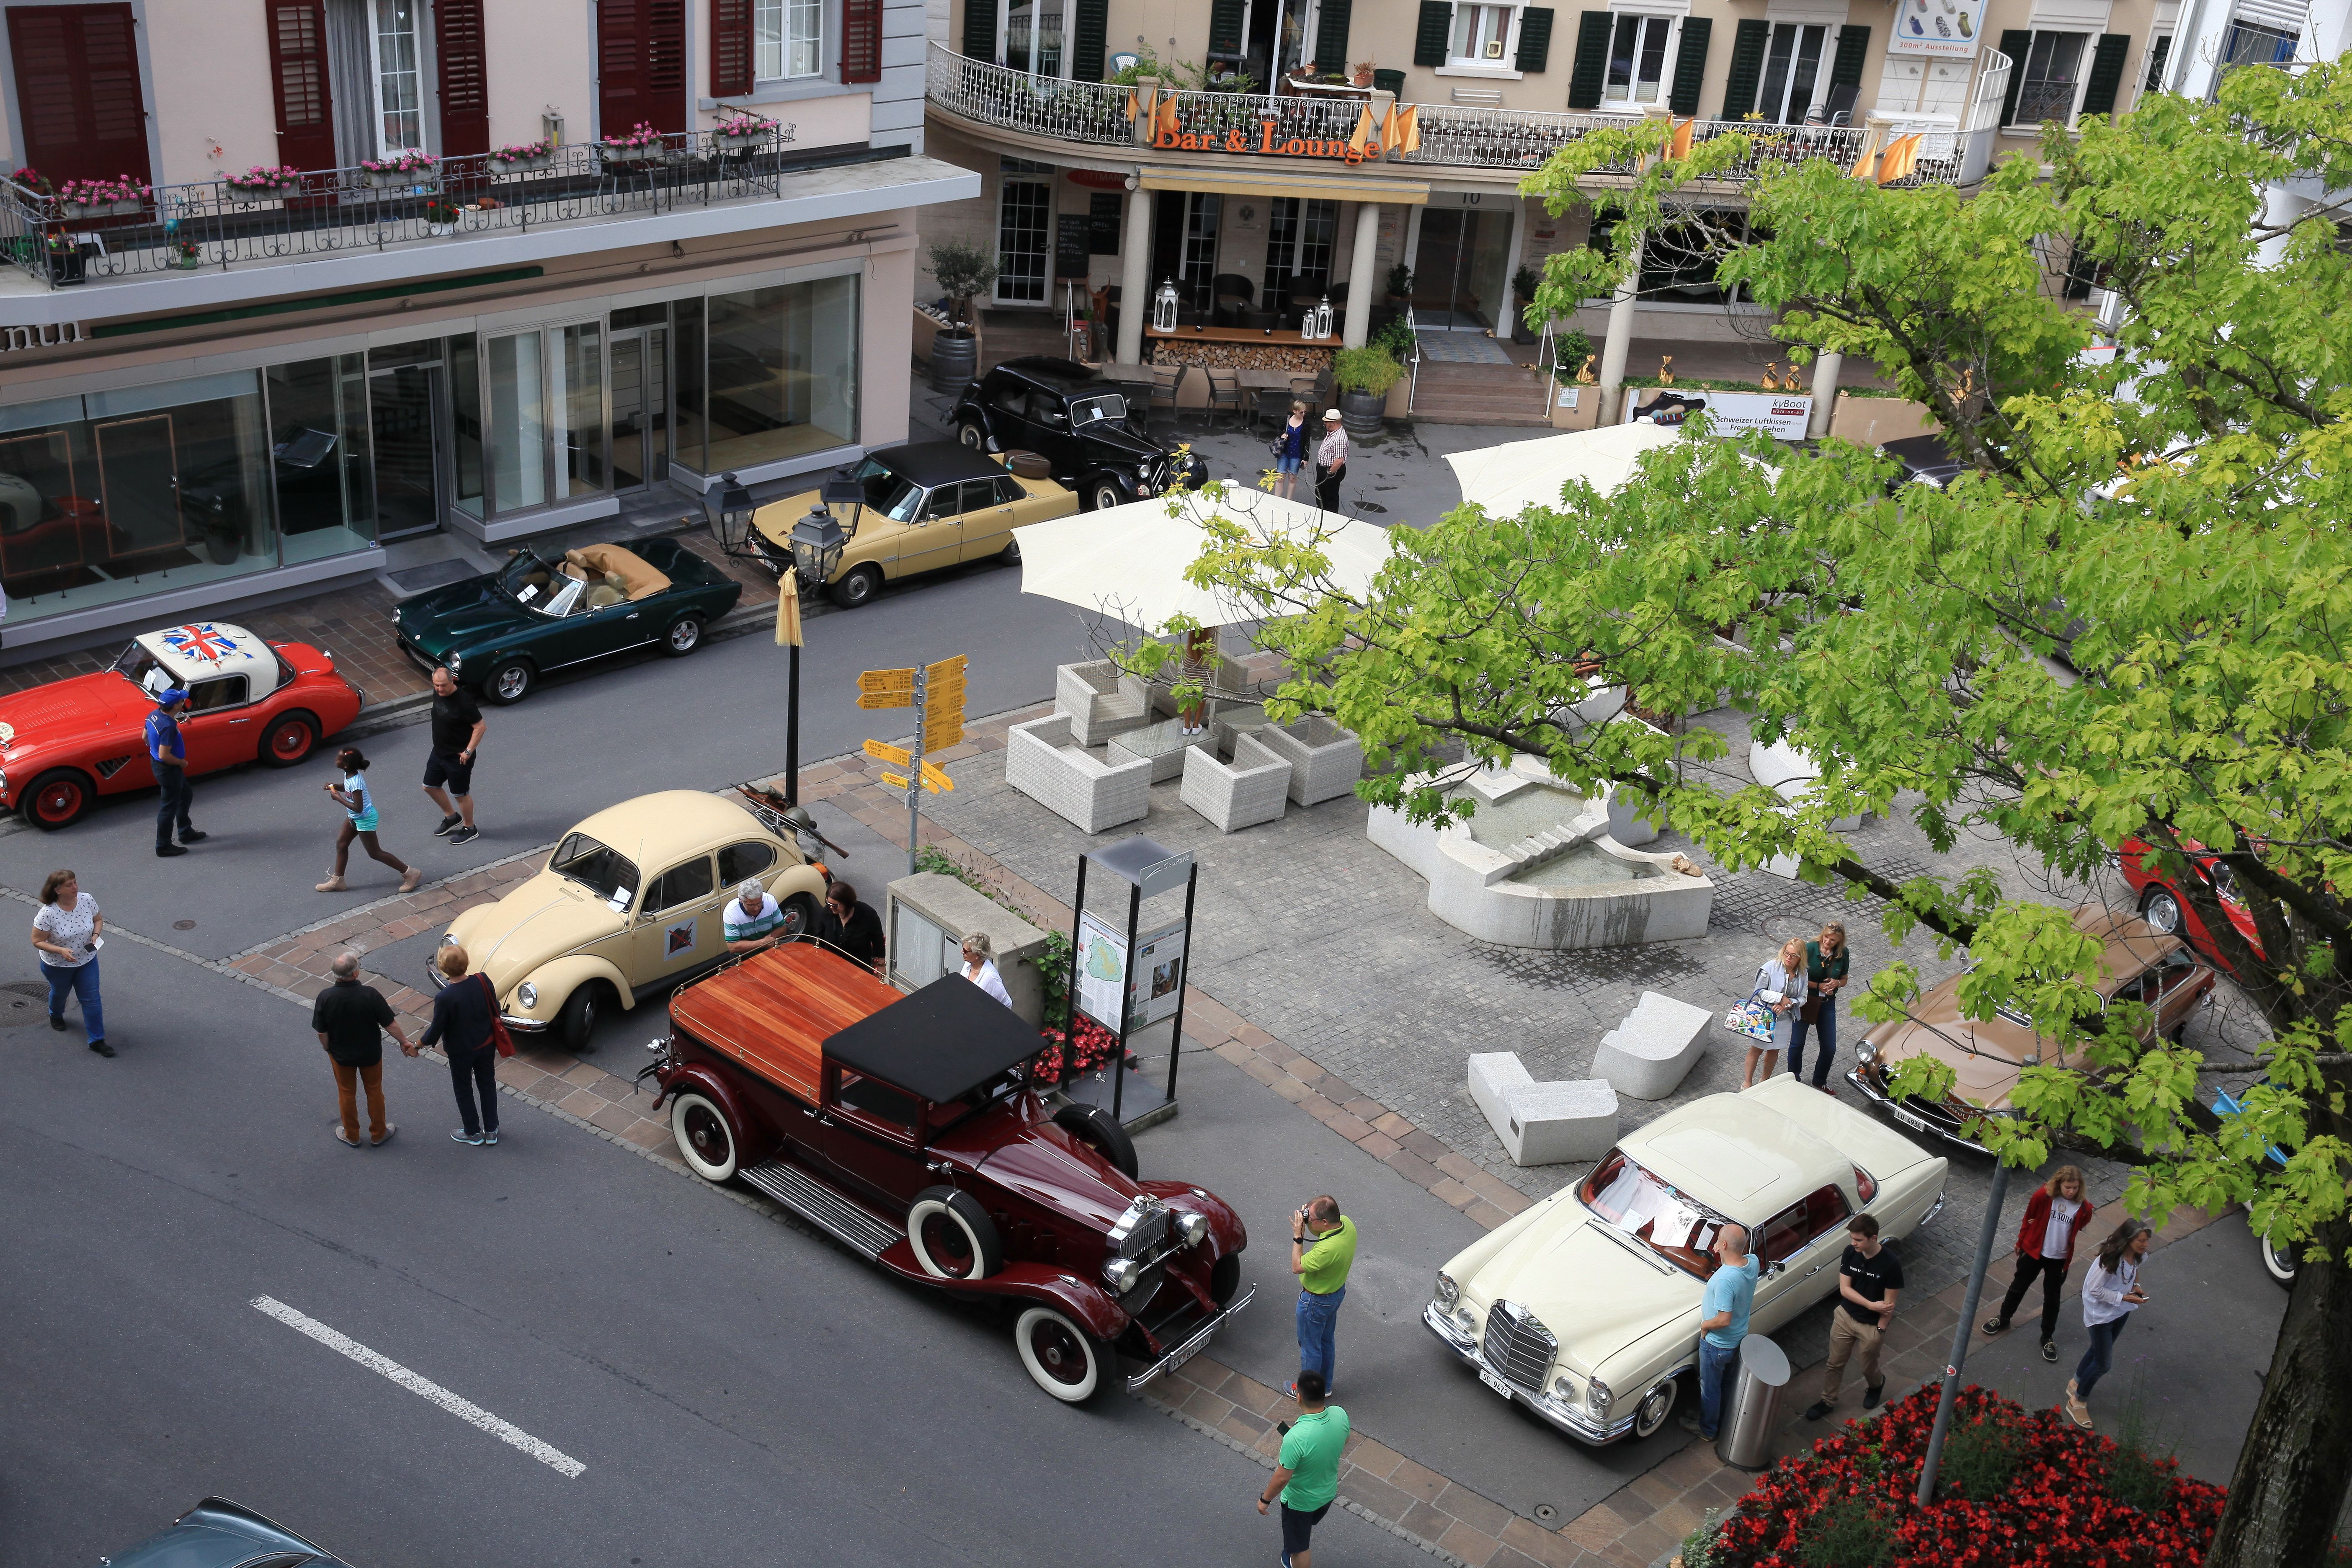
(1825, 379)
(1135, 276)
(1620, 340)
(1358, 328)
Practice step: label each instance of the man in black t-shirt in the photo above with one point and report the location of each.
(1870, 1279)
(458, 731)
(348, 1017)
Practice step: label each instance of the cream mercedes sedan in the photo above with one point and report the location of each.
(1585, 1308)
(632, 898)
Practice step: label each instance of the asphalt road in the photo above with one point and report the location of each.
(735, 1390)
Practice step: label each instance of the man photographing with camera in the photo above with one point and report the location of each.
(1322, 1250)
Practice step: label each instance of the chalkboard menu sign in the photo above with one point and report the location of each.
(1102, 219)
(1070, 232)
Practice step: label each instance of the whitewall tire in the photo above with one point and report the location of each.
(952, 1237)
(1063, 1358)
(706, 1141)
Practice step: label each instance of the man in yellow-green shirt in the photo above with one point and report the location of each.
(1322, 1250)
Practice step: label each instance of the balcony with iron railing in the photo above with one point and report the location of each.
(232, 226)
(1100, 116)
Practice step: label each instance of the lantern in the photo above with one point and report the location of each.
(1164, 308)
(729, 507)
(1322, 319)
(817, 540)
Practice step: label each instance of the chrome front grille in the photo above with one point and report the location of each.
(1517, 1345)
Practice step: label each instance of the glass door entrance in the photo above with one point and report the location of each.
(1458, 282)
(405, 411)
(640, 375)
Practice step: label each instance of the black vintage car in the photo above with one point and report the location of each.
(1080, 423)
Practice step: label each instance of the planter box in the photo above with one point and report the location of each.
(1400, 404)
(653, 154)
(927, 918)
(99, 209)
(752, 143)
(405, 180)
(521, 165)
(1585, 415)
(65, 267)
(1867, 421)
(257, 195)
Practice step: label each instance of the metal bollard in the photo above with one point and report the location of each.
(1753, 1405)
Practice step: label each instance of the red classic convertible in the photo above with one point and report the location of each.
(63, 744)
(907, 1129)
(2169, 913)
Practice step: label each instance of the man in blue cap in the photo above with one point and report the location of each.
(169, 753)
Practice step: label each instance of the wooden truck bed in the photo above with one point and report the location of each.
(774, 1011)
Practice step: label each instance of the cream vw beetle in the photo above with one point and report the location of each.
(1585, 1308)
(632, 898)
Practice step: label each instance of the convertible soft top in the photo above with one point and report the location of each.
(944, 1041)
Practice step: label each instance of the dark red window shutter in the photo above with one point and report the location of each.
(861, 40)
(77, 91)
(730, 47)
(640, 65)
(465, 76)
(298, 66)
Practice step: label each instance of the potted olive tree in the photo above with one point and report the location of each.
(1363, 377)
(963, 272)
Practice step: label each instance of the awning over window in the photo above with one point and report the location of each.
(1301, 177)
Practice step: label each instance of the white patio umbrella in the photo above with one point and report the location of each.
(1128, 563)
(1509, 479)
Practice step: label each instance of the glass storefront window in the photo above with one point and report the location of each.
(465, 421)
(517, 423)
(576, 411)
(783, 374)
(693, 429)
(116, 495)
(319, 438)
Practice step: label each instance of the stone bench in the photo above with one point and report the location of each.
(1543, 1123)
(1648, 1055)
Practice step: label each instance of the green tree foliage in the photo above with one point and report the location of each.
(2126, 623)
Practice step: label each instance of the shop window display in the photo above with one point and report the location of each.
(320, 451)
(782, 377)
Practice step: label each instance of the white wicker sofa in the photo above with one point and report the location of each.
(1042, 761)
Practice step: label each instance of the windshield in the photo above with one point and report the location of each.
(1644, 1205)
(526, 580)
(891, 494)
(144, 670)
(596, 867)
(1109, 405)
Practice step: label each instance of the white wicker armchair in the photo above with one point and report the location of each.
(1325, 760)
(1099, 703)
(1254, 788)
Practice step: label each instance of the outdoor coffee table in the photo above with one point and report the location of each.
(1163, 745)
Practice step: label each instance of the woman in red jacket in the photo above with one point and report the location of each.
(2045, 1245)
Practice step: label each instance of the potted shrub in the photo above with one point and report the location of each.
(1363, 73)
(182, 255)
(1363, 377)
(523, 156)
(441, 216)
(640, 144)
(101, 198)
(742, 133)
(1524, 284)
(1400, 285)
(265, 183)
(64, 260)
(412, 170)
(964, 272)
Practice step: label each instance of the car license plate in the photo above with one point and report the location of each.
(1181, 1357)
(1916, 1123)
(1496, 1384)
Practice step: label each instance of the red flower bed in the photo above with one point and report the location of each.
(2055, 1512)
(1083, 1048)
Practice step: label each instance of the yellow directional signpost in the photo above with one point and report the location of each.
(936, 693)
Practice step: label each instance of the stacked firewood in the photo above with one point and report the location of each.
(1241, 356)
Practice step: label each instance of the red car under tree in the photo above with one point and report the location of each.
(909, 1129)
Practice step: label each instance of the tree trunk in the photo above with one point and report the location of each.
(2297, 1461)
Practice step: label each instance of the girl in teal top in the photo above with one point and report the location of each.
(360, 822)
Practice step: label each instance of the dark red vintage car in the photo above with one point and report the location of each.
(906, 1128)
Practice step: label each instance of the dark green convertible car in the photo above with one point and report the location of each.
(499, 634)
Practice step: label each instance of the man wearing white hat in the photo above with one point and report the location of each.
(1330, 461)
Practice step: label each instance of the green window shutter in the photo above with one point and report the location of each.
(1225, 30)
(1089, 28)
(1431, 32)
(1534, 39)
(1331, 36)
(1585, 80)
(1747, 46)
(2157, 53)
(1853, 42)
(2106, 74)
(980, 30)
(1690, 65)
(2016, 43)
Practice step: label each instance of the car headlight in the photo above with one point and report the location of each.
(527, 995)
(1123, 1273)
(1865, 1052)
(1448, 1292)
(1191, 1229)
(1597, 1399)
(448, 939)
(451, 662)
(1562, 1389)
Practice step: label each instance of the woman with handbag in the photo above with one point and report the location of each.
(1826, 963)
(1780, 986)
(465, 1025)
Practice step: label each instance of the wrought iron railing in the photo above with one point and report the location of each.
(217, 224)
(1016, 101)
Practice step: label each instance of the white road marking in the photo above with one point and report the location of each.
(464, 1410)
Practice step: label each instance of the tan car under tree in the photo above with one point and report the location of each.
(631, 901)
(1988, 1056)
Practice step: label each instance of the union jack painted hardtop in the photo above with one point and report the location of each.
(203, 650)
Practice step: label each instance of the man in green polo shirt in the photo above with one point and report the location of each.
(1307, 1472)
(1322, 1250)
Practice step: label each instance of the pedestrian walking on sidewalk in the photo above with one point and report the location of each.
(2045, 1248)
(462, 1014)
(1731, 1293)
(1322, 1250)
(1330, 461)
(1306, 1469)
(1782, 976)
(2111, 1293)
(350, 1019)
(458, 731)
(68, 932)
(1870, 1279)
(1826, 963)
(360, 822)
(167, 754)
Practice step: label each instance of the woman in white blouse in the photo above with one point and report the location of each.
(2111, 1293)
(68, 932)
(1783, 975)
(979, 966)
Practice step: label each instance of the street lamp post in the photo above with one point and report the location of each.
(729, 507)
(817, 543)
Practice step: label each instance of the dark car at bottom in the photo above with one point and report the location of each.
(218, 1533)
(909, 1129)
(1092, 438)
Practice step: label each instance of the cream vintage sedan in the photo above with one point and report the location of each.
(1585, 1308)
(631, 900)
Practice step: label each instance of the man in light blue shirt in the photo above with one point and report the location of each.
(1731, 1293)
